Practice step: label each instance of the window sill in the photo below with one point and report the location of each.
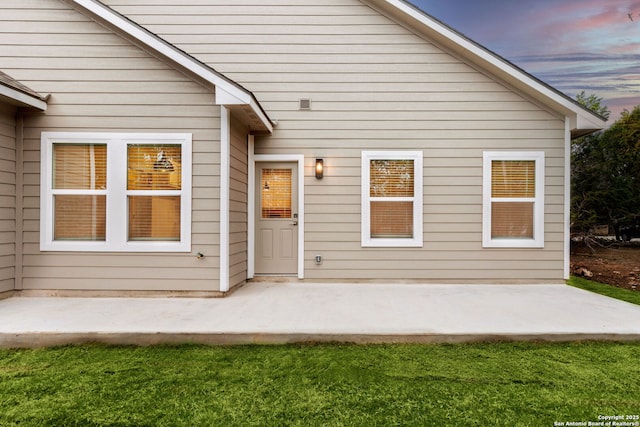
(513, 243)
(132, 247)
(391, 243)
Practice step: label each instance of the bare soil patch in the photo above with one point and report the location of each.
(606, 261)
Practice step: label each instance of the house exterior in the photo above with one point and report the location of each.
(185, 149)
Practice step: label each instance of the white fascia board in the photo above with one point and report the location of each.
(223, 97)
(231, 93)
(22, 98)
(584, 121)
(262, 115)
(452, 39)
(227, 99)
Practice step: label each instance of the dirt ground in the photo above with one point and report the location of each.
(608, 262)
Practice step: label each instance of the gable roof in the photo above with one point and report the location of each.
(15, 93)
(242, 102)
(228, 93)
(582, 120)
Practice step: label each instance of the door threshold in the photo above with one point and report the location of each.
(274, 278)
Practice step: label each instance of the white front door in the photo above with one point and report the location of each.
(276, 248)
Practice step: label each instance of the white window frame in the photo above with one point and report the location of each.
(417, 239)
(116, 192)
(538, 222)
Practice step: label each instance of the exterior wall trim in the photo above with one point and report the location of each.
(251, 207)
(225, 172)
(19, 248)
(567, 199)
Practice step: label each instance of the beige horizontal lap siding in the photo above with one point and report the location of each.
(238, 205)
(100, 82)
(7, 198)
(374, 85)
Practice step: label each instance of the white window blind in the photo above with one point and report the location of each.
(153, 191)
(79, 191)
(513, 192)
(392, 193)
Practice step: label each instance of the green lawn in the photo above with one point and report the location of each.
(607, 290)
(505, 384)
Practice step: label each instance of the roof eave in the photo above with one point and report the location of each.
(21, 99)
(238, 95)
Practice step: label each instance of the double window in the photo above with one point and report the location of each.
(115, 192)
(392, 198)
(513, 206)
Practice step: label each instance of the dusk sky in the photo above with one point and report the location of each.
(573, 45)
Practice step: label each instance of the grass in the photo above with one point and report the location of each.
(506, 384)
(607, 290)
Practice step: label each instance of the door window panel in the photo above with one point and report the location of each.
(276, 186)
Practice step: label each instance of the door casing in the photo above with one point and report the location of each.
(251, 238)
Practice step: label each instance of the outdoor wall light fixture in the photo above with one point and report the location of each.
(319, 168)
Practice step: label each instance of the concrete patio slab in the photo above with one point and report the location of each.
(320, 312)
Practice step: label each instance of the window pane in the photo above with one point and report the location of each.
(391, 178)
(392, 219)
(79, 217)
(276, 193)
(79, 166)
(154, 218)
(154, 167)
(513, 178)
(512, 220)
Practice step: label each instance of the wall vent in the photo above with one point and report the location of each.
(305, 104)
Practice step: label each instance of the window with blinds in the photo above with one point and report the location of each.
(392, 199)
(153, 191)
(391, 192)
(513, 210)
(115, 192)
(79, 191)
(513, 192)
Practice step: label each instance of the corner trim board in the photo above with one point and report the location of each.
(567, 199)
(225, 171)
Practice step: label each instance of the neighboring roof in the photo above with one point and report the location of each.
(228, 93)
(15, 93)
(582, 120)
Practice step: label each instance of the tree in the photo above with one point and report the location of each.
(584, 169)
(593, 103)
(606, 171)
